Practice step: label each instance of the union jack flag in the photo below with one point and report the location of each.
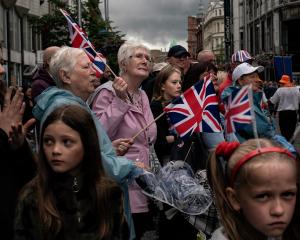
(79, 39)
(196, 110)
(237, 109)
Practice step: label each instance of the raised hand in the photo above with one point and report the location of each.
(120, 86)
(18, 132)
(12, 110)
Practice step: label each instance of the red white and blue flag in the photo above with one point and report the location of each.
(79, 39)
(238, 109)
(196, 110)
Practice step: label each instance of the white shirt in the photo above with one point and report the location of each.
(287, 98)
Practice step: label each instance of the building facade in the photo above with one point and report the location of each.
(19, 43)
(213, 30)
(267, 28)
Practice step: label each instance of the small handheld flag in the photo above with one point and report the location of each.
(196, 110)
(238, 109)
(79, 39)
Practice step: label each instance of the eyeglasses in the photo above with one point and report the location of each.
(141, 56)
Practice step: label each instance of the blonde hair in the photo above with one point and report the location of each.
(235, 225)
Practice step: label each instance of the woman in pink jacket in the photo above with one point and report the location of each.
(123, 109)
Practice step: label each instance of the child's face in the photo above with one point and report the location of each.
(63, 147)
(268, 201)
(172, 86)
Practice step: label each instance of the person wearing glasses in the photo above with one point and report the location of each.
(74, 76)
(123, 110)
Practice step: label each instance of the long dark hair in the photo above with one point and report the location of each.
(92, 169)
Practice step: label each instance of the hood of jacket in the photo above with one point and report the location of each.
(52, 98)
(43, 75)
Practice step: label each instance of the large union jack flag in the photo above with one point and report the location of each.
(196, 110)
(237, 109)
(79, 39)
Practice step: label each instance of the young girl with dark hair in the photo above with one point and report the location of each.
(71, 197)
(255, 186)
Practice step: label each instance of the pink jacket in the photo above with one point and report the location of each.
(124, 120)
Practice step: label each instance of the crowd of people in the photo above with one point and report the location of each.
(77, 152)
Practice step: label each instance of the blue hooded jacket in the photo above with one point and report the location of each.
(118, 168)
(265, 125)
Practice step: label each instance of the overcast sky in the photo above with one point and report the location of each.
(156, 23)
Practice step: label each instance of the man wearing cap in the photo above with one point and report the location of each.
(179, 57)
(237, 58)
(242, 75)
(287, 98)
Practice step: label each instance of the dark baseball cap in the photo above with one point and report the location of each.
(178, 51)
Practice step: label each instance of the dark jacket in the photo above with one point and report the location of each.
(162, 147)
(40, 81)
(17, 168)
(77, 209)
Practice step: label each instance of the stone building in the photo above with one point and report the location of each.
(213, 29)
(267, 28)
(18, 41)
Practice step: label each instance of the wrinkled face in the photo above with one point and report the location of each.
(180, 62)
(171, 88)
(268, 201)
(81, 78)
(63, 147)
(253, 79)
(139, 64)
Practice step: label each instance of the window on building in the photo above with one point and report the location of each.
(2, 27)
(269, 34)
(14, 30)
(241, 40)
(263, 44)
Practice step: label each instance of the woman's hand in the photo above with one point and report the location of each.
(120, 86)
(17, 134)
(13, 110)
(122, 145)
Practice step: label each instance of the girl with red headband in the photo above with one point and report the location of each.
(255, 186)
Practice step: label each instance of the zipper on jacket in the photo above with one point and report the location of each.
(75, 189)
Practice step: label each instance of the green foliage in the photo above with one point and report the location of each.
(54, 29)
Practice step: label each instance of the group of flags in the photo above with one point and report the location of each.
(196, 110)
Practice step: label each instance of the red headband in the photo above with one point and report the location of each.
(253, 154)
(225, 149)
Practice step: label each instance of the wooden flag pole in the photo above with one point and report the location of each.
(106, 65)
(128, 94)
(250, 95)
(148, 125)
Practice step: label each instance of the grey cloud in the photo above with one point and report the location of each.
(156, 22)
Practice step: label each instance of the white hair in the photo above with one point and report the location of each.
(126, 51)
(64, 59)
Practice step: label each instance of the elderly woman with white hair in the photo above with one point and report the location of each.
(123, 109)
(72, 70)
